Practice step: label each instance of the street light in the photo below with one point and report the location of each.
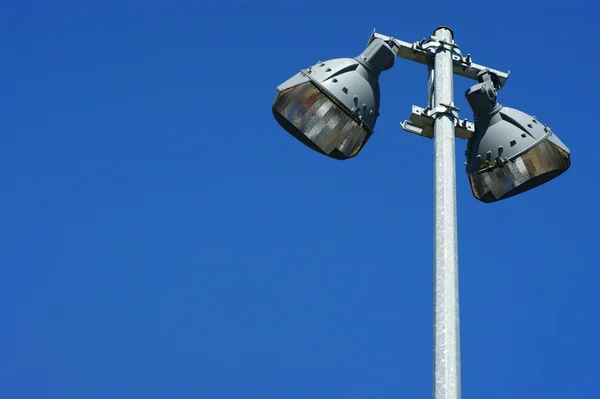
(332, 108)
(511, 152)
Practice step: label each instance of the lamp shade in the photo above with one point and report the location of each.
(511, 151)
(332, 106)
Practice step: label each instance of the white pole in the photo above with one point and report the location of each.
(446, 320)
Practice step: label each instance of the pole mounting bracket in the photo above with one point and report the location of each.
(444, 109)
(422, 119)
(435, 44)
(421, 52)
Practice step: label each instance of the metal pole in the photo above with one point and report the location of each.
(446, 320)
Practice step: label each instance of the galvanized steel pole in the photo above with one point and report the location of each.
(446, 384)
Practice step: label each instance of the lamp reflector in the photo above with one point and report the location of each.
(312, 117)
(537, 166)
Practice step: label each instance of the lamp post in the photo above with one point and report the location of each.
(332, 108)
(446, 330)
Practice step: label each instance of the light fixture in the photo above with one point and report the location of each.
(332, 106)
(511, 152)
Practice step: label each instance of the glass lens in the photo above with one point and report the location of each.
(537, 166)
(310, 116)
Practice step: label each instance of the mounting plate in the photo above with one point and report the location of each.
(421, 123)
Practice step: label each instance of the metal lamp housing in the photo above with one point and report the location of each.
(332, 106)
(511, 151)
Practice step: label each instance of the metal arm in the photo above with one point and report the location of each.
(423, 50)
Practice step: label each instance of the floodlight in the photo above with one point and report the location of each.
(511, 152)
(332, 106)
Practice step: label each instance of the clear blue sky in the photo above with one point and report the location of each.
(162, 237)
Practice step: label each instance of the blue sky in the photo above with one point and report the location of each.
(162, 237)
